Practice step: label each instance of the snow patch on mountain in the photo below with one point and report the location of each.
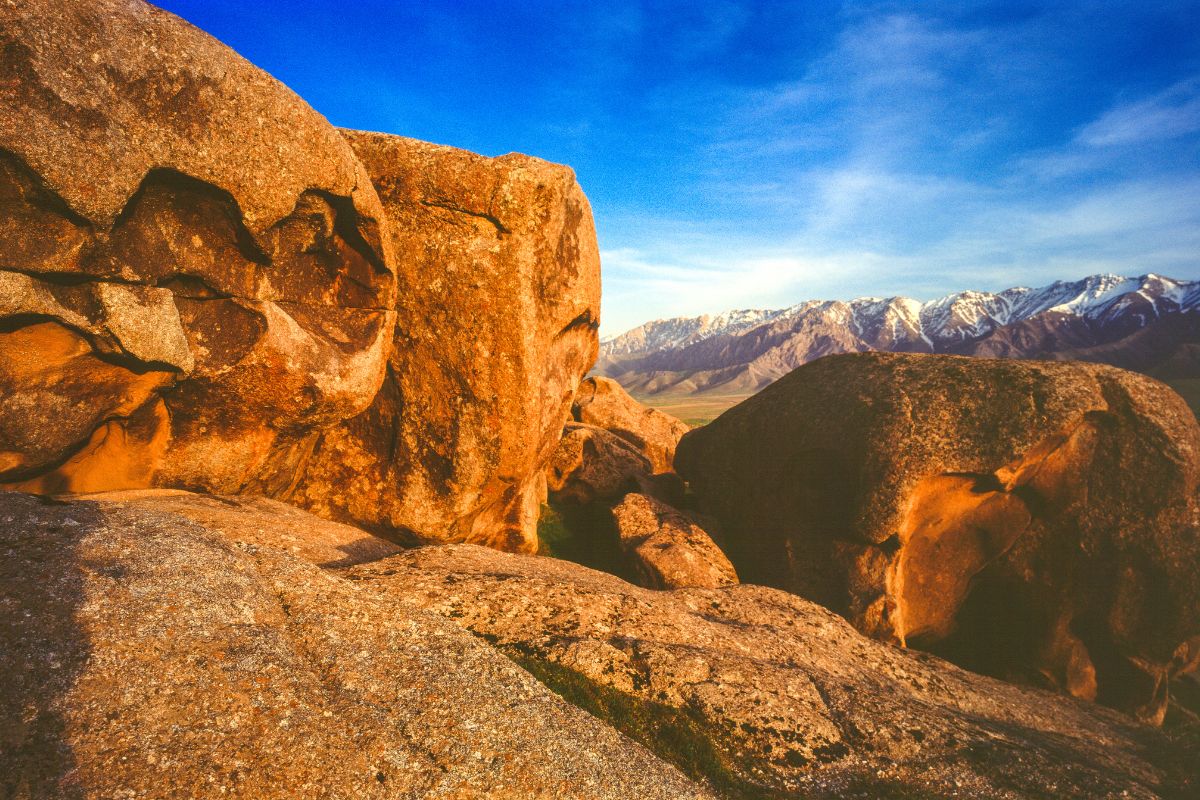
(959, 317)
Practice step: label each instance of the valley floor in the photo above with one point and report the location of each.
(698, 410)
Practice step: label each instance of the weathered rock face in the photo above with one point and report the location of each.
(176, 647)
(603, 403)
(495, 336)
(1034, 520)
(591, 464)
(667, 549)
(193, 281)
(769, 695)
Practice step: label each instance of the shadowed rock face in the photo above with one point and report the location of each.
(612, 491)
(183, 646)
(1033, 520)
(499, 306)
(193, 281)
(769, 695)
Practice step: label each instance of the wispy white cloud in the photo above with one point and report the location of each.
(1130, 227)
(903, 160)
(1169, 114)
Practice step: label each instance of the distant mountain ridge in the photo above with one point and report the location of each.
(1147, 323)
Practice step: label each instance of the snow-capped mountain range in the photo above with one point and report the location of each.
(743, 350)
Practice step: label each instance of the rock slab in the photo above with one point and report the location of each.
(182, 647)
(766, 694)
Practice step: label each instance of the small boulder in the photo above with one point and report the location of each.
(667, 549)
(593, 464)
(603, 403)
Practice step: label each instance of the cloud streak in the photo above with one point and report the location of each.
(915, 156)
(1166, 115)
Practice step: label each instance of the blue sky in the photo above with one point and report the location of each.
(757, 154)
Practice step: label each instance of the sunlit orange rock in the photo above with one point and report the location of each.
(498, 309)
(194, 283)
(591, 464)
(603, 403)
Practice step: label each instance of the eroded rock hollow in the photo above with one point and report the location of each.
(193, 281)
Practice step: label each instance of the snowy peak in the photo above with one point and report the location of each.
(901, 323)
(678, 332)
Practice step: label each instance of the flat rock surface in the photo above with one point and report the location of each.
(151, 649)
(260, 521)
(784, 697)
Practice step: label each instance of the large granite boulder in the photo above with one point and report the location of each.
(1033, 520)
(185, 647)
(602, 402)
(194, 282)
(499, 307)
(766, 694)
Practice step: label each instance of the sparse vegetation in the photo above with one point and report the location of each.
(585, 534)
(680, 736)
(695, 411)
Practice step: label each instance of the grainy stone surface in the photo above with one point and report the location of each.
(262, 522)
(164, 647)
(1035, 520)
(789, 700)
(499, 307)
(603, 403)
(194, 282)
(98, 93)
(667, 548)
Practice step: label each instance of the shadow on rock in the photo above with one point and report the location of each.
(42, 648)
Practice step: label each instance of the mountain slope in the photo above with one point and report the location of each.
(1143, 323)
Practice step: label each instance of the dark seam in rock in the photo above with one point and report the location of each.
(501, 231)
(81, 279)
